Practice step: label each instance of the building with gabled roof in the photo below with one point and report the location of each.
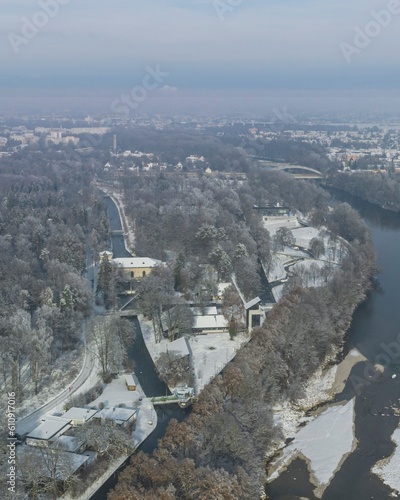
(136, 267)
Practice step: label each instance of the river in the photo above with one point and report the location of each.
(376, 322)
(144, 366)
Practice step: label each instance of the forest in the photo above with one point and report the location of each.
(219, 450)
(50, 223)
(382, 189)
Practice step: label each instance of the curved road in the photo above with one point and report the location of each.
(26, 424)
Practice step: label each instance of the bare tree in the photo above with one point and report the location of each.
(284, 237)
(317, 247)
(109, 343)
(233, 310)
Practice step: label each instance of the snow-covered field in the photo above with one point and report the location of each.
(334, 251)
(323, 443)
(273, 225)
(389, 469)
(117, 393)
(304, 235)
(210, 352)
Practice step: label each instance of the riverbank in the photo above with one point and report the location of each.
(302, 421)
(324, 444)
(388, 469)
(362, 196)
(372, 471)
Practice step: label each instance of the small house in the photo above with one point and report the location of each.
(212, 323)
(79, 416)
(116, 415)
(48, 431)
(130, 383)
(255, 314)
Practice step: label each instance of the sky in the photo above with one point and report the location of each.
(206, 54)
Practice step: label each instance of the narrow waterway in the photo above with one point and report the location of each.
(375, 326)
(144, 367)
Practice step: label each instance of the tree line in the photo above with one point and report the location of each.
(49, 218)
(382, 189)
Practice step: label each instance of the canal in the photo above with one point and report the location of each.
(376, 324)
(144, 366)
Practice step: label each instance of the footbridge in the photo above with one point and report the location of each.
(301, 171)
(173, 399)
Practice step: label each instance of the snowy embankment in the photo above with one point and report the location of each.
(389, 468)
(324, 443)
(320, 388)
(129, 233)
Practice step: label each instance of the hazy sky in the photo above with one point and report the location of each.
(218, 48)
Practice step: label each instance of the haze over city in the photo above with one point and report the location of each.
(220, 55)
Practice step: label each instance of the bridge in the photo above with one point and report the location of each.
(302, 172)
(308, 172)
(117, 232)
(173, 399)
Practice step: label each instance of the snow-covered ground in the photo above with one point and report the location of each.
(389, 469)
(277, 292)
(322, 386)
(334, 251)
(277, 270)
(210, 352)
(116, 393)
(318, 389)
(323, 443)
(304, 235)
(274, 225)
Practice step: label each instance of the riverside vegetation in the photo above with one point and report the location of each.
(219, 450)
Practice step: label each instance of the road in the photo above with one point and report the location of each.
(26, 424)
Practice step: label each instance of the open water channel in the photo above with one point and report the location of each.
(144, 366)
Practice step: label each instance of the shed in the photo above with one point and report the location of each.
(130, 383)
